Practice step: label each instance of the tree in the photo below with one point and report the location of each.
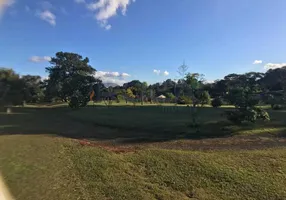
(130, 93)
(182, 71)
(11, 88)
(194, 82)
(274, 79)
(33, 91)
(245, 102)
(216, 102)
(204, 98)
(70, 76)
(171, 96)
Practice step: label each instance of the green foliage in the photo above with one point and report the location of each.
(245, 102)
(247, 115)
(204, 98)
(11, 88)
(129, 93)
(78, 100)
(70, 76)
(184, 100)
(171, 96)
(33, 91)
(217, 102)
(74, 103)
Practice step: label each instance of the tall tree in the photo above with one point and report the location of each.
(274, 79)
(33, 91)
(70, 76)
(182, 71)
(11, 88)
(194, 82)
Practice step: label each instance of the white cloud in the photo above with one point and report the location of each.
(79, 1)
(44, 78)
(156, 71)
(48, 16)
(37, 59)
(111, 74)
(274, 65)
(125, 75)
(4, 4)
(108, 80)
(112, 77)
(105, 9)
(108, 27)
(166, 73)
(209, 81)
(256, 62)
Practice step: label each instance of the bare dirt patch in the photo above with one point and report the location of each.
(108, 146)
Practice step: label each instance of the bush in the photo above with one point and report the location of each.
(262, 114)
(247, 115)
(204, 98)
(78, 102)
(184, 100)
(217, 102)
(276, 107)
(74, 104)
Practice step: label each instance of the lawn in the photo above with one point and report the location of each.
(142, 152)
(173, 122)
(45, 167)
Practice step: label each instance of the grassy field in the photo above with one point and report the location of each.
(44, 167)
(147, 152)
(170, 122)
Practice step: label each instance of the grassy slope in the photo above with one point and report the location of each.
(43, 167)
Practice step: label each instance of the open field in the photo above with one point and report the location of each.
(43, 167)
(147, 152)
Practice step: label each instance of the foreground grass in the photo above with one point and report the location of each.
(43, 167)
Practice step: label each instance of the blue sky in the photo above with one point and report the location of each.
(213, 37)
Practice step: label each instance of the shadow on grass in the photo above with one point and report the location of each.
(58, 121)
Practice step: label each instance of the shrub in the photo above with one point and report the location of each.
(78, 101)
(249, 115)
(217, 102)
(204, 98)
(276, 107)
(74, 103)
(184, 100)
(262, 114)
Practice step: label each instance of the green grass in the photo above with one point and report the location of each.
(153, 123)
(44, 167)
(37, 164)
(174, 122)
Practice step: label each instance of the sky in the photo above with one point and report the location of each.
(145, 39)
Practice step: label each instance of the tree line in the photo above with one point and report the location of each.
(71, 79)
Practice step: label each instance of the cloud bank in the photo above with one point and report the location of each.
(274, 65)
(112, 77)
